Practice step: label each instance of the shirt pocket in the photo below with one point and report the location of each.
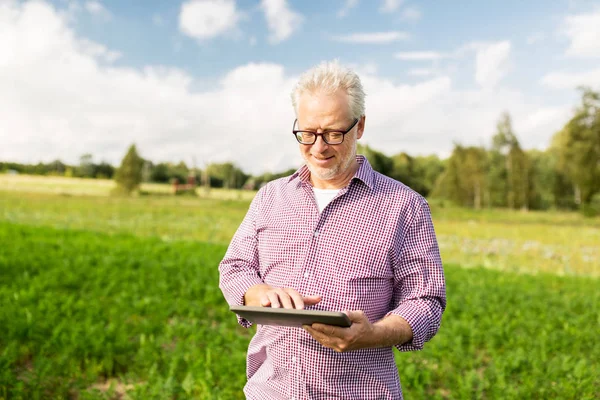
(280, 247)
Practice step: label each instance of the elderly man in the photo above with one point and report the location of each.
(336, 236)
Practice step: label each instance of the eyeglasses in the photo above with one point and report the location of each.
(330, 137)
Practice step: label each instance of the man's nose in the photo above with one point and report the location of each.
(320, 144)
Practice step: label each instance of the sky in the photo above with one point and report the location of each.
(205, 81)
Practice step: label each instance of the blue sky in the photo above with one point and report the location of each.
(193, 79)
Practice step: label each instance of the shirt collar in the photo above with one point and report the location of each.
(364, 173)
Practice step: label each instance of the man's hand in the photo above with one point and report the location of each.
(358, 336)
(264, 295)
(362, 333)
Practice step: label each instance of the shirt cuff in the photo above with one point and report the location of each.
(236, 296)
(416, 313)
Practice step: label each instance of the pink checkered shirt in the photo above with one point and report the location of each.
(373, 248)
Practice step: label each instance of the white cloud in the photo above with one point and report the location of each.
(546, 118)
(348, 5)
(390, 6)
(97, 9)
(535, 38)
(372, 37)
(60, 97)
(583, 30)
(411, 14)
(492, 63)
(421, 71)
(419, 55)
(281, 20)
(572, 80)
(206, 19)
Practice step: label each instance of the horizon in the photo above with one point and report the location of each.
(182, 80)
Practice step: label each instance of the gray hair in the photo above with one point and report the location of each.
(329, 77)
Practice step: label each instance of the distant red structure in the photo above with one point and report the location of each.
(189, 187)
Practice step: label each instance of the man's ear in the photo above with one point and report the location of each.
(361, 127)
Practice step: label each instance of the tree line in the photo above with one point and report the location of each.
(564, 176)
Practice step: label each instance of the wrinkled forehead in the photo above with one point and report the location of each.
(323, 106)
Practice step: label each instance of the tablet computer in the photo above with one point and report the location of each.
(291, 317)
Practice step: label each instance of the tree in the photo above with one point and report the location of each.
(226, 175)
(510, 168)
(86, 166)
(379, 161)
(129, 174)
(579, 148)
(464, 181)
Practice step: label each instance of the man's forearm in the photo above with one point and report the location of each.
(390, 331)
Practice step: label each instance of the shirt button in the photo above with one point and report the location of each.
(306, 274)
(316, 234)
(293, 360)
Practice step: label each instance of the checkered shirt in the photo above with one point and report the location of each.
(373, 248)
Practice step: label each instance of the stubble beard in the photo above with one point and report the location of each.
(326, 174)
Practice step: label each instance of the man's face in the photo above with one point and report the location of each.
(318, 112)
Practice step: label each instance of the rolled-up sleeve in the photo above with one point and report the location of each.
(239, 269)
(419, 286)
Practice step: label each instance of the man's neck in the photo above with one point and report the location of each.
(337, 182)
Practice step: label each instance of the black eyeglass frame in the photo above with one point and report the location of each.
(327, 132)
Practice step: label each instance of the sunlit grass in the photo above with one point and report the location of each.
(102, 296)
(102, 187)
(563, 243)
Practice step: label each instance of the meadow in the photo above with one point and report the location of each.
(106, 298)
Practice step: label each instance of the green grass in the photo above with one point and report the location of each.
(78, 308)
(64, 186)
(91, 315)
(101, 296)
(166, 217)
(556, 242)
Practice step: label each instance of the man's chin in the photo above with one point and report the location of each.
(323, 174)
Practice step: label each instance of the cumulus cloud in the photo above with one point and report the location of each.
(572, 80)
(421, 71)
(492, 63)
(535, 38)
(281, 19)
(61, 97)
(419, 55)
(411, 14)
(206, 19)
(97, 9)
(348, 5)
(389, 6)
(583, 31)
(372, 37)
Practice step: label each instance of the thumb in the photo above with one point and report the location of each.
(356, 316)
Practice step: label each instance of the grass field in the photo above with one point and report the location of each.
(101, 296)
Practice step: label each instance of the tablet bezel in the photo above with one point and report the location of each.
(291, 317)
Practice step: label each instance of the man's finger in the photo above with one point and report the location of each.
(328, 330)
(273, 299)
(311, 300)
(265, 301)
(320, 337)
(284, 298)
(296, 298)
